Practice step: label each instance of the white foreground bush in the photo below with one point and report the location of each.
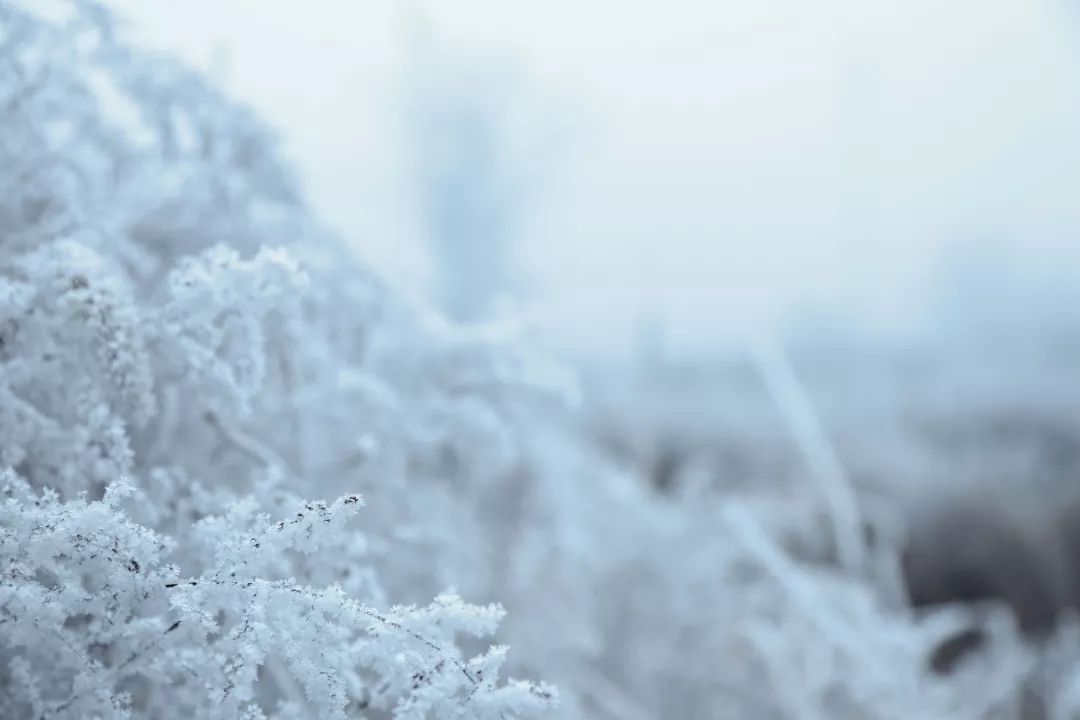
(170, 388)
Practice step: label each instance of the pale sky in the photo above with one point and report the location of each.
(717, 165)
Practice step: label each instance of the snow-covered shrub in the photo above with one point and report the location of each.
(184, 354)
(93, 611)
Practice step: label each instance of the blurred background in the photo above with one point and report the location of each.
(885, 191)
(677, 177)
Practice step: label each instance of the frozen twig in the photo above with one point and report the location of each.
(804, 595)
(257, 451)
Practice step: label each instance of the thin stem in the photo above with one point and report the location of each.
(813, 442)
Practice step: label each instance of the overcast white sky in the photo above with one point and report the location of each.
(715, 164)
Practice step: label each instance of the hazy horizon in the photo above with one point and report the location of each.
(713, 168)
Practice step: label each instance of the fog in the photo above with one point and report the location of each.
(711, 167)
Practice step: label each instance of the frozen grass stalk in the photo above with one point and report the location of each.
(809, 434)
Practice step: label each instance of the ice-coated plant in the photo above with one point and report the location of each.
(184, 355)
